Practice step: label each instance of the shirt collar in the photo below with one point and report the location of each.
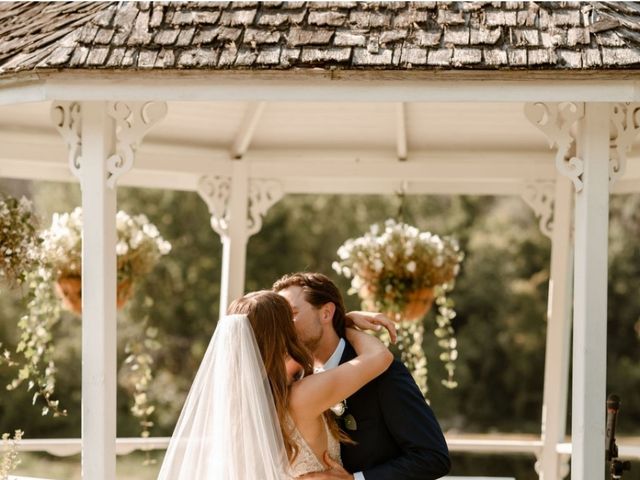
(334, 359)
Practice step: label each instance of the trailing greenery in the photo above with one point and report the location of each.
(37, 327)
(19, 239)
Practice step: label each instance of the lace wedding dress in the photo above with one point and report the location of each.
(306, 461)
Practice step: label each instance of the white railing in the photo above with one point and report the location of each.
(629, 447)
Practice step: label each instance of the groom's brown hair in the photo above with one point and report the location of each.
(318, 290)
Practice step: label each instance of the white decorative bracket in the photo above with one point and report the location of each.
(216, 192)
(263, 194)
(540, 196)
(626, 126)
(67, 117)
(556, 120)
(133, 121)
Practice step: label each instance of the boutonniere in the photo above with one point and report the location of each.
(339, 408)
(350, 423)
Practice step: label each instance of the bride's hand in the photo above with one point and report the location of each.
(372, 321)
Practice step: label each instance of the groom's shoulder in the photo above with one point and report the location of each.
(397, 372)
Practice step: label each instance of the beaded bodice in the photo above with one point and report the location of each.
(306, 461)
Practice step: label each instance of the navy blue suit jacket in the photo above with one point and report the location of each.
(397, 434)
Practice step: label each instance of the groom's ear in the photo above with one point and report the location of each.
(327, 311)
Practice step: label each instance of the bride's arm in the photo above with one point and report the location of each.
(316, 393)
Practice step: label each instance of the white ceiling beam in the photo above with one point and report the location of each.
(299, 163)
(401, 131)
(375, 171)
(247, 128)
(302, 184)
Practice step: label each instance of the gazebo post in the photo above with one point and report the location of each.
(237, 205)
(99, 296)
(234, 242)
(227, 198)
(98, 155)
(590, 297)
(558, 337)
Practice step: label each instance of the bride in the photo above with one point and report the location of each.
(255, 410)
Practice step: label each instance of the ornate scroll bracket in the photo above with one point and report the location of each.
(263, 194)
(556, 120)
(540, 196)
(133, 122)
(626, 126)
(216, 192)
(67, 118)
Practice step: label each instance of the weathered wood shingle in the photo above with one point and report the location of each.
(347, 35)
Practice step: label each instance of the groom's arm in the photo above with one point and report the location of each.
(413, 426)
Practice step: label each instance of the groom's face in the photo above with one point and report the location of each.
(305, 317)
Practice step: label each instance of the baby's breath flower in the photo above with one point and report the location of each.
(138, 248)
(400, 255)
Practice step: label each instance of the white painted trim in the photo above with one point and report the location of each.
(98, 295)
(22, 91)
(234, 243)
(481, 443)
(247, 129)
(311, 86)
(558, 336)
(590, 296)
(401, 131)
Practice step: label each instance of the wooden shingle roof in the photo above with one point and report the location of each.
(328, 35)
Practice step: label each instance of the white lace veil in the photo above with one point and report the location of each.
(228, 428)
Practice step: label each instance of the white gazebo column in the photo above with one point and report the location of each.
(590, 300)
(237, 205)
(99, 295)
(234, 243)
(553, 204)
(98, 160)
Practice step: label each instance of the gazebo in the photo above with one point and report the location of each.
(245, 102)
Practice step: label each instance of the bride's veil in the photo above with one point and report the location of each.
(228, 428)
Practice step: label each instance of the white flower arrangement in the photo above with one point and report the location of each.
(138, 248)
(385, 267)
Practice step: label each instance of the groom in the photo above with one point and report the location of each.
(396, 434)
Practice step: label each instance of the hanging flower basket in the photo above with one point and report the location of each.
(138, 249)
(401, 271)
(417, 303)
(69, 289)
(397, 269)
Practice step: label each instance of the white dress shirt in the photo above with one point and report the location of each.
(333, 362)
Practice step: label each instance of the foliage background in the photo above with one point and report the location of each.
(500, 296)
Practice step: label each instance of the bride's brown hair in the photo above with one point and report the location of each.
(271, 319)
